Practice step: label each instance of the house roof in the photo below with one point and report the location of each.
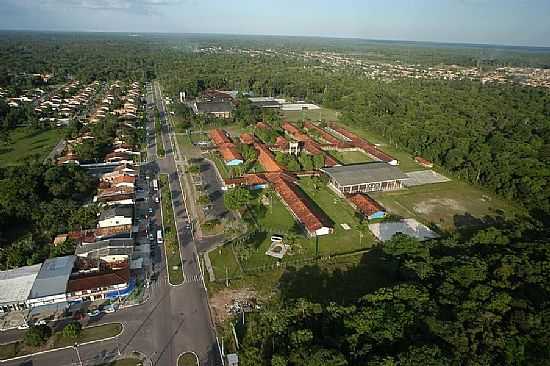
(52, 277)
(16, 284)
(365, 204)
(114, 211)
(299, 205)
(219, 137)
(214, 107)
(101, 248)
(266, 159)
(247, 180)
(98, 280)
(324, 134)
(229, 153)
(363, 144)
(262, 125)
(295, 132)
(247, 138)
(347, 175)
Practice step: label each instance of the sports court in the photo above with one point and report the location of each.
(421, 177)
(386, 230)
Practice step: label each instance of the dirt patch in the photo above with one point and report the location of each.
(226, 302)
(429, 206)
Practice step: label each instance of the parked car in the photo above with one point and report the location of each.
(157, 200)
(93, 313)
(109, 309)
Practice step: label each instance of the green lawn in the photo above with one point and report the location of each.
(276, 218)
(171, 244)
(325, 114)
(351, 157)
(57, 340)
(187, 359)
(448, 205)
(222, 258)
(26, 143)
(89, 334)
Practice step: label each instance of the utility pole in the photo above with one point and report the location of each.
(226, 278)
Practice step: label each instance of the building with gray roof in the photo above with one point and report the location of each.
(368, 177)
(15, 286)
(50, 284)
(123, 247)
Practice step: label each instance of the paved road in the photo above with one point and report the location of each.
(175, 319)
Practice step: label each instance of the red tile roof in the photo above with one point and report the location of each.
(124, 179)
(247, 180)
(324, 134)
(247, 138)
(230, 153)
(363, 144)
(298, 204)
(424, 162)
(281, 142)
(267, 159)
(219, 137)
(262, 125)
(98, 280)
(365, 204)
(295, 132)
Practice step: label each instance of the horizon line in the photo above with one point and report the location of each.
(451, 43)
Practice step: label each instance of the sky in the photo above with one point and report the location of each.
(506, 22)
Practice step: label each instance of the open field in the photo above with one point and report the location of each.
(350, 157)
(314, 115)
(275, 218)
(26, 143)
(171, 244)
(448, 205)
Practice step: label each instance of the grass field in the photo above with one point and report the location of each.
(449, 205)
(351, 157)
(171, 244)
(89, 334)
(275, 218)
(26, 143)
(314, 115)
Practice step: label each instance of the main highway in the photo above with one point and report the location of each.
(175, 319)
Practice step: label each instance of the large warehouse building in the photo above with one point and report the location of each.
(368, 177)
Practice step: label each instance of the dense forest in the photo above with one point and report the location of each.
(37, 202)
(481, 300)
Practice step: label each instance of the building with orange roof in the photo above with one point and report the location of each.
(366, 205)
(267, 159)
(219, 137)
(230, 155)
(361, 143)
(424, 162)
(251, 181)
(314, 223)
(247, 138)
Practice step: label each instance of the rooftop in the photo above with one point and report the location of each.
(98, 280)
(16, 284)
(114, 211)
(52, 277)
(214, 107)
(348, 175)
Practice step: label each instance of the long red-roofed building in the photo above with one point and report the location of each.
(310, 145)
(366, 205)
(364, 145)
(314, 223)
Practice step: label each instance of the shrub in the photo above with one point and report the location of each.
(72, 330)
(37, 335)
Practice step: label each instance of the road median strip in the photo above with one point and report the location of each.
(174, 265)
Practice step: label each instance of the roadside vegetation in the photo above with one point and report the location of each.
(41, 338)
(187, 359)
(158, 134)
(171, 244)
